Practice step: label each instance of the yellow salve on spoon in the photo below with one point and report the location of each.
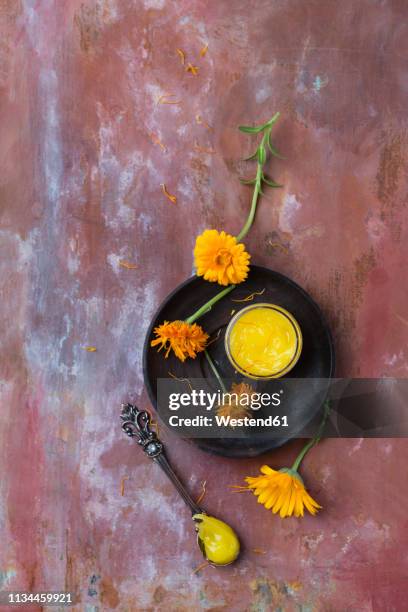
(263, 341)
(218, 542)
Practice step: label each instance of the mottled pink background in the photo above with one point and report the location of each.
(80, 179)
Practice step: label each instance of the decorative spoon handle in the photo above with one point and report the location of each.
(136, 423)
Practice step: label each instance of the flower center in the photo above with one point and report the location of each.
(223, 258)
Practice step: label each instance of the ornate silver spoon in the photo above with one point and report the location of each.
(217, 541)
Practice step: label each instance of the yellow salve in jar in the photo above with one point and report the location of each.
(263, 341)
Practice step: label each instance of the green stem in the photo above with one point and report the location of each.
(261, 156)
(215, 371)
(252, 211)
(208, 305)
(314, 440)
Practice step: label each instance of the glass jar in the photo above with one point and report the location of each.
(263, 341)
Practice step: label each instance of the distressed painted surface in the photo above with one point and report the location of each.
(84, 147)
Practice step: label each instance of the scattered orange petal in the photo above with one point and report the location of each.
(203, 149)
(170, 102)
(164, 99)
(201, 567)
(193, 69)
(295, 585)
(63, 433)
(250, 297)
(214, 339)
(238, 488)
(90, 349)
(259, 551)
(160, 98)
(201, 121)
(129, 265)
(204, 50)
(168, 195)
(155, 424)
(203, 492)
(157, 141)
(122, 485)
(182, 56)
(277, 245)
(181, 379)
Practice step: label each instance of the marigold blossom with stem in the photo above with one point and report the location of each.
(283, 491)
(220, 257)
(185, 338)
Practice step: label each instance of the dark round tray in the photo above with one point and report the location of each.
(316, 361)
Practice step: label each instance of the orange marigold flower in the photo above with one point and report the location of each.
(220, 258)
(185, 339)
(282, 491)
(236, 407)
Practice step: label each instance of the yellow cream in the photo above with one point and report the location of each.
(218, 542)
(263, 341)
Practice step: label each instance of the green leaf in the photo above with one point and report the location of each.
(251, 156)
(261, 154)
(250, 130)
(273, 150)
(272, 121)
(248, 181)
(270, 182)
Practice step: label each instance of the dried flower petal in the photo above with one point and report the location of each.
(259, 551)
(128, 265)
(200, 121)
(250, 297)
(182, 56)
(157, 141)
(201, 567)
(181, 379)
(204, 50)
(203, 149)
(203, 492)
(168, 195)
(164, 99)
(215, 338)
(193, 69)
(122, 485)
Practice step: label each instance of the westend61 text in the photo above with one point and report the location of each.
(228, 421)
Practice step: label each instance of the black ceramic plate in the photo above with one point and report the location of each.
(316, 361)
